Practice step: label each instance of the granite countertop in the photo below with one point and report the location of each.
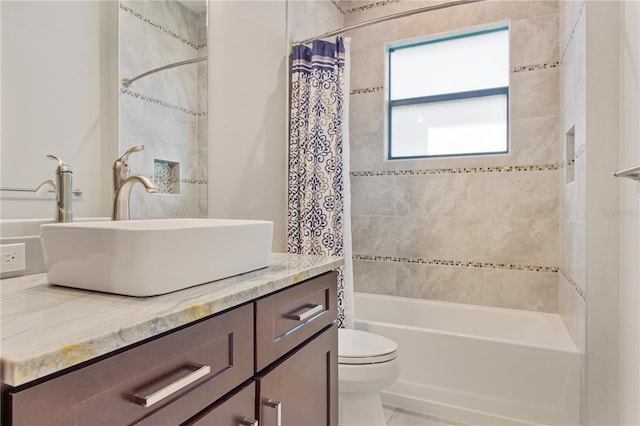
(46, 328)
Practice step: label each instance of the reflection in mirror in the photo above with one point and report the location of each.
(165, 111)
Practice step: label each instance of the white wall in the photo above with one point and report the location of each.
(248, 67)
(59, 96)
(629, 214)
(602, 239)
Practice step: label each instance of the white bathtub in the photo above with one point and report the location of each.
(480, 365)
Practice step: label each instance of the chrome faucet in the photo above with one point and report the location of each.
(122, 184)
(62, 187)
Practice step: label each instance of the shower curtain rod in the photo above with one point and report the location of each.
(127, 81)
(388, 18)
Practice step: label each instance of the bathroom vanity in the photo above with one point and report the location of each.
(258, 347)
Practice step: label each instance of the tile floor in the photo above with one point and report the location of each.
(400, 417)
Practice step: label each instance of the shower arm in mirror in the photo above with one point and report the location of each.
(127, 81)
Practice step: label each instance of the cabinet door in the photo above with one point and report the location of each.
(239, 409)
(302, 389)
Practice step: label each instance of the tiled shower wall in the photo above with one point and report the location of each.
(481, 229)
(166, 111)
(572, 276)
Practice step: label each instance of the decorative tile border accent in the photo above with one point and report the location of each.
(161, 28)
(573, 284)
(582, 149)
(463, 170)
(485, 265)
(145, 98)
(188, 181)
(337, 5)
(366, 90)
(573, 31)
(370, 6)
(524, 68)
(194, 181)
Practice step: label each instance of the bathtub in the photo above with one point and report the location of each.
(475, 364)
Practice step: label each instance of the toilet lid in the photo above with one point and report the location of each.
(361, 347)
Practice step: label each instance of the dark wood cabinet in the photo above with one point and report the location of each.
(238, 409)
(302, 389)
(208, 373)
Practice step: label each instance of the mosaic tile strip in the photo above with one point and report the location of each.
(337, 5)
(189, 181)
(145, 98)
(573, 31)
(366, 90)
(463, 170)
(194, 181)
(535, 67)
(161, 28)
(370, 6)
(485, 265)
(573, 284)
(582, 149)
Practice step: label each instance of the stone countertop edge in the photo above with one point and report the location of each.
(46, 329)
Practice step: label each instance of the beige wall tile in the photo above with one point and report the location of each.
(534, 40)
(366, 114)
(374, 35)
(497, 10)
(522, 241)
(522, 194)
(572, 312)
(573, 251)
(528, 290)
(440, 21)
(436, 282)
(445, 238)
(535, 140)
(367, 67)
(534, 94)
(367, 153)
(310, 18)
(373, 195)
(373, 235)
(450, 195)
(374, 277)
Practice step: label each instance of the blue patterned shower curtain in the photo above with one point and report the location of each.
(318, 182)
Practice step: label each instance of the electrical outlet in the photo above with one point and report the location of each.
(12, 257)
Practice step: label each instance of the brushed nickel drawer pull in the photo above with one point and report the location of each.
(308, 313)
(147, 400)
(278, 406)
(247, 421)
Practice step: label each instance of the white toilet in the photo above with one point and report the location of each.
(367, 363)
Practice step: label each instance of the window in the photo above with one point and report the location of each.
(449, 96)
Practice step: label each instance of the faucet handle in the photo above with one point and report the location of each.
(135, 148)
(43, 189)
(62, 166)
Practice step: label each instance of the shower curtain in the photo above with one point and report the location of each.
(318, 182)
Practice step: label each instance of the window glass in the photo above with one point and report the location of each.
(449, 96)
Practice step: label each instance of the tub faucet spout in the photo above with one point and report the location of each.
(121, 198)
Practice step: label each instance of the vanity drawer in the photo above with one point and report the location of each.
(216, 355)
(286, 319)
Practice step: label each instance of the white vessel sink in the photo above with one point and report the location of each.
(151, 257)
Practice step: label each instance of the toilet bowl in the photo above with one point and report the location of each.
(367, 363)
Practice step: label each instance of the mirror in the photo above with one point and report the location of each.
(61, 94)
(165, 110)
